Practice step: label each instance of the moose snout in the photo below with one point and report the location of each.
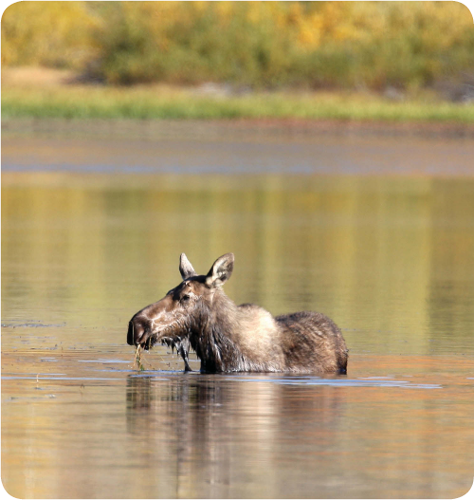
(136, 334)
(139, 334)
(131, 333)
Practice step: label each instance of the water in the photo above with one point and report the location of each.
(92, 229)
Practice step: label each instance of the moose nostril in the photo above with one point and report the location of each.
(131, 333)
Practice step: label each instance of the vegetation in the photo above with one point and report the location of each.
(160, 101)
(263, 45)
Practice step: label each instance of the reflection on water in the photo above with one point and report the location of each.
(114, 432)
(376, 254)
(264, 439)
(390, 259)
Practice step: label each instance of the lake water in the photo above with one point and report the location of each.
(375, 231)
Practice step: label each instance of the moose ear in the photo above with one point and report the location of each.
(221, 270)
(185, 267)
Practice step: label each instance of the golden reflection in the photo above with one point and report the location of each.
(376, 254)
(224, 437)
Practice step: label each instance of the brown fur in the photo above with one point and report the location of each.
(231, 338)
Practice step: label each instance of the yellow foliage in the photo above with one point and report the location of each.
(257, 43)
(47, 33)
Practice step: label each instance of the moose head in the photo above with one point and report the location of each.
(181, 311)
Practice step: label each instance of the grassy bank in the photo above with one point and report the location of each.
(163, 103)
(53, 97)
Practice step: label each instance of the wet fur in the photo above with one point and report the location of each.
(245, 338)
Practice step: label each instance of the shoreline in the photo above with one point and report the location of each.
(251, 128)
(237, 147)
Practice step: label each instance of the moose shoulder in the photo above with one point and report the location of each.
(230, 338)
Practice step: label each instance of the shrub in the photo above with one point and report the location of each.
(256, 44)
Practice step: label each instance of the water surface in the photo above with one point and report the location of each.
(390, 257)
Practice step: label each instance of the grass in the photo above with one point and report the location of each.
(56, 99)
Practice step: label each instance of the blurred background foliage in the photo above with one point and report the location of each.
(262, 45)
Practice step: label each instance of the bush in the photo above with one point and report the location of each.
(53, 34)
(256, 44)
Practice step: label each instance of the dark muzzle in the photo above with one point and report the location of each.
(131, 333)
(138, 334)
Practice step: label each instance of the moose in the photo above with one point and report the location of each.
(230, 338)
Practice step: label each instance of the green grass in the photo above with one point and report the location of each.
(158, 102)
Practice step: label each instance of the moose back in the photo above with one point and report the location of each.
(230, 338)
